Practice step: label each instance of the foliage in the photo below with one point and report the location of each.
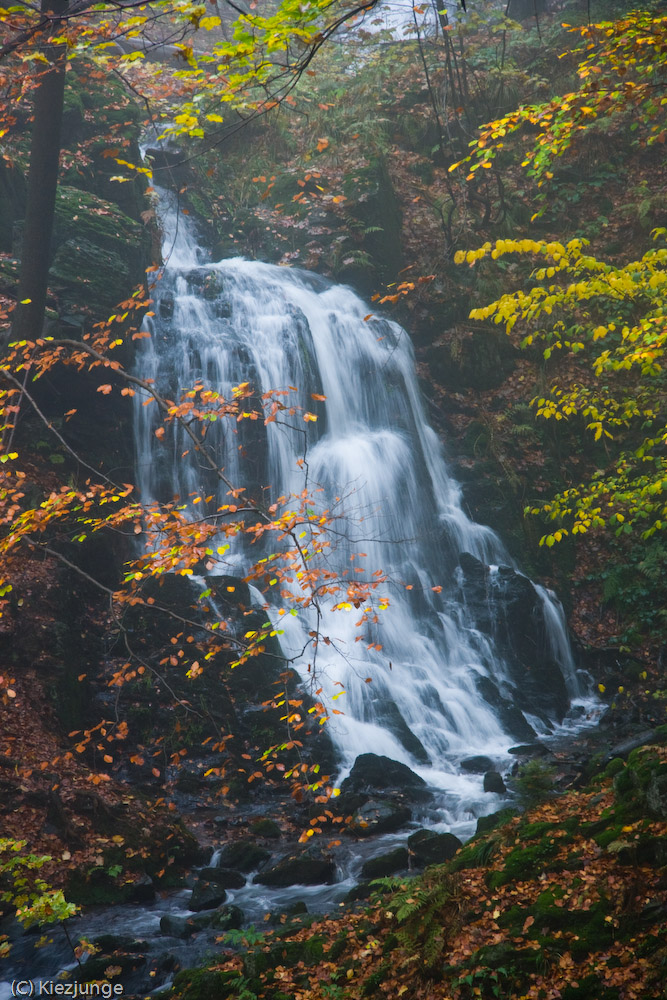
(425, 913)
(621, 75)
(611, 319)
(35, 902)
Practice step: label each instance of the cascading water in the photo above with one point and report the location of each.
(439, 669)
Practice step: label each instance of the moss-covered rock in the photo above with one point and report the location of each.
(206, 984)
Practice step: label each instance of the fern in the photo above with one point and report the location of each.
(426, 912)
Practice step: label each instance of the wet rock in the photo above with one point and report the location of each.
(379, 816)
(95, 967)
(388, 715)
(385, 864)
(308, 867)
(509, 715)
(243, 855)
(225, 878)
(430, 848)
(143, 890)
(266, 828)
(507, 607)
(109, 943)
(493, 782)
(530, 750)
(228, 917)
(206, 896)
(372, 772)
(477, 765)
(172, 925)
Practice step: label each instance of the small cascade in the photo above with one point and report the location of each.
(471, 656)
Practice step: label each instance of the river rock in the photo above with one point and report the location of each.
(228, 917)
(385, 864)
(477, 765)
(493, 782)
(178, 927)
(226, 878)
(266, 827)
(530, 750)
(372, 772)
(378, 816)
(206, 896)
(243, 855)
(430, 848)
(309, 867)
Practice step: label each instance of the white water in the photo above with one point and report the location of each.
(372, 449)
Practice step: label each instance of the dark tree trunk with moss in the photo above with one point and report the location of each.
(42, 178)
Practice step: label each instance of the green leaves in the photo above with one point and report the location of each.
(614, 318)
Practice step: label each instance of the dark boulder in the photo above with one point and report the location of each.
(530, 750)
(178, 927)
(378, 816)
(385, 864)
(308, 867)
(476, 765)
(493, 782)
(372, 772)
(206, 896)
(225, 878)
(243, 855)
(228, 917)
(430, 848)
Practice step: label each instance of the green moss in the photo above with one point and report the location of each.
(266, 828)
(487, 823)
(206, 984)
(524, 863)
(530, 831)
(474, 855)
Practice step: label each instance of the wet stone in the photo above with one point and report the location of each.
(430, 848)
(206, 896)
(493, 782)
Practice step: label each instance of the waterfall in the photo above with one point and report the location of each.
(443, 662)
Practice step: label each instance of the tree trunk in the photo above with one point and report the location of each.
(42, 180)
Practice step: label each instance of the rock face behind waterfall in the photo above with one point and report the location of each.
(506, 606)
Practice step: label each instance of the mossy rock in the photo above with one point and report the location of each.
(205, 984)
(475, 854)
(641, 787)
(487, 823)
(81, 215)
(525, 863)
(243, 855)
(287, 953)
(266, 828)
(92, 276)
